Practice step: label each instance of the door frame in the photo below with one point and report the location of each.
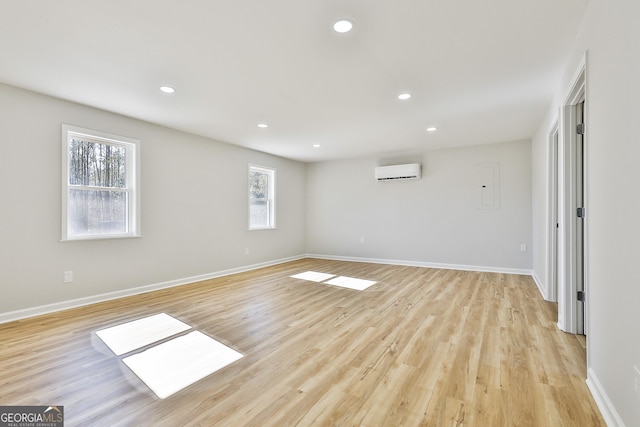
(552, 219)
(568, 305)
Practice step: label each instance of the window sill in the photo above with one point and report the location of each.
(96, 238)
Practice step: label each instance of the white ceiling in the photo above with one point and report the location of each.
(482, 71)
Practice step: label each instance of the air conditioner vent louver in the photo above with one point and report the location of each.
(398, 172)
(397, 177)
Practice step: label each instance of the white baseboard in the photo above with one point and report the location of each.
(79, 302)
(480, 268)
(608, 411)
(542, 289)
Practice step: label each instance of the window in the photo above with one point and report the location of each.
(261, 197)
(100, 185)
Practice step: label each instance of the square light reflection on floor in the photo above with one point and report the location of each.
(342, 281)
(173, 365)
(313, 276)
(351, 283)
(136, 334)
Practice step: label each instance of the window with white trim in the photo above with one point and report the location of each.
(100, 181)
(261, 197)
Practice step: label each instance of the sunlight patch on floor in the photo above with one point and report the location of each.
(313, 276)
(342, 281)
(136, 334)
(351, 283)
(173, 365)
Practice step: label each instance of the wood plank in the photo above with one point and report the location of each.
(421, 347)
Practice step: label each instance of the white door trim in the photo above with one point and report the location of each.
(567, 250)
(552, 218)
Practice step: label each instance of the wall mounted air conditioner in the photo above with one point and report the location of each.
(410, 171)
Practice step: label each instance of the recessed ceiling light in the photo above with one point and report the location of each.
(263, 125)
(404, 96)
(343, 26)
(316, 145)
(167, 89)
(432, 129)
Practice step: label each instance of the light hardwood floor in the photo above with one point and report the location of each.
(421, 347)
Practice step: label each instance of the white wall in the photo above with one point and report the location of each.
(610, 34)
(194, 207)
(541, 204)
(434, 220)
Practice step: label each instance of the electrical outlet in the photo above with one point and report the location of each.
(523, 247)
(68, 276)
(636, 382)
(362, 240)
(246, 251)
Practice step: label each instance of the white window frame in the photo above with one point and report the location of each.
(271, 199)
(132, 147)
